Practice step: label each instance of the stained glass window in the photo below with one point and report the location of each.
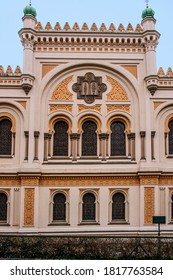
(60, 142)
(88, 209)
(118, 206)
(118, 142)
(89, 139)
(3, 207)
(5, 137)
(59, 207)
(170, 125)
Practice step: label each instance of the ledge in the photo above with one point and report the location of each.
(59, 224)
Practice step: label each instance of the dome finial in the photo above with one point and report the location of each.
(147, 1)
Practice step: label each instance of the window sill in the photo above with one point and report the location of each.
(88, 223)
(59, 224)
(119, 223)
(169, 156)
(4, 224)
(58, 157)
(6, 156)
(120, 157)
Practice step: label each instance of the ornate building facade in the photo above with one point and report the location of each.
(86, 131)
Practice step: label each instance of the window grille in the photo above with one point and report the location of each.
(118, 142)
(88, 209)
(59, 207)
(170, 125)
(118, 206)
(89, 139)
(3, 207)
(5, 137)
(60, 142)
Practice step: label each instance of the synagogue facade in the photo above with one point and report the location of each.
(86, 131)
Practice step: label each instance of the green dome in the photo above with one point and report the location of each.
(148, 12)
(30, 11)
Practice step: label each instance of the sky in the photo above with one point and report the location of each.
(80, 11)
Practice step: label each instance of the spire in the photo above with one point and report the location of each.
(147, 1)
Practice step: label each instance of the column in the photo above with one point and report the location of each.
(49, 145)
(103, 142)
(14, 140)
(142, 134)
(36, 135)
(26, 144)
(152, 145)
(162, 201)
(166, 143)
(74, 145)
(16, 207)
(133, 146)
(129, 144)
(46, 137)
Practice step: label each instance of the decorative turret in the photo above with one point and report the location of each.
(148, 13)
(29, 18)
(148, 20)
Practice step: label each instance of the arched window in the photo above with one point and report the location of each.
(88, 207)
(170, 136)
(59, 207)
(89, 138)
(118, 139)
(5, 137)
(60, 141)
(3, 208)
(118, 206)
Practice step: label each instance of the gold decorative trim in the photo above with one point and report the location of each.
(124, 119)
(30, 181)
(111, 108)
(149, 180)
(10, 181)
(53, 191)
(55, 107)
(57, 118)
(89, 117)
(83, 107)
(168, 118)
(148, 205)
(5, 115)
(46, 68)
(61, 92)
(29, 207)
(114, 190)
(166, 180)
(89, 181)
(132, 69)
(170, 190)
(117, 92)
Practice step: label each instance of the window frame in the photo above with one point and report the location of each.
(7, 221)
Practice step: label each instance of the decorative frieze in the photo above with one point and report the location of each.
(83, 108)
(149, 180)
(29, 181)
(56, 107)
(148, 205)
(9, 181)
(46, 68)
(29, 207)
(116, 107)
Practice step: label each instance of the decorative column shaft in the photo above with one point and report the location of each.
(152, 145)
(14, 141)
(49, 145)
(36, 135)
(133, 146)
(74, 145)
(103, 142)
(142, 134)
(46, 137)
(26, 144)
(166, 146)
(129, 144)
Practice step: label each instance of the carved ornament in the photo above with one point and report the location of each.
(117, 92)
(56, 107)
(111, 108)
(148, 205)
(83, 108)
(89, 87)
(29, 207)
(62, 93)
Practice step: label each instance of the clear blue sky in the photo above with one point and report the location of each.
(98, 11)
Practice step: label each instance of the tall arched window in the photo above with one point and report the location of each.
(60, 141)
(118, 206)
(89, 138)
(59, 207)
(118, 139)
(89, 207)
(5, 137)
(170, 136)
(3, 208)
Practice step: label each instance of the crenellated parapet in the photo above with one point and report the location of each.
(15, 79)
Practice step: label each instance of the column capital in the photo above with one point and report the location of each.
(142, 133)
(74, 136)
(36, 133)
(103, 136)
